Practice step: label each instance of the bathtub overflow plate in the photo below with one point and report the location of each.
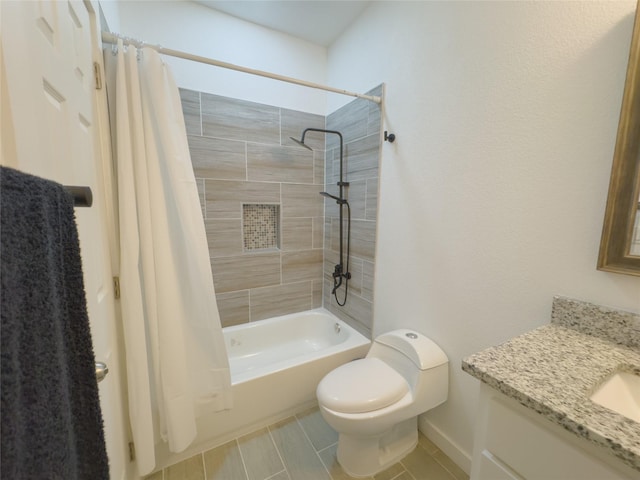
(411, 335)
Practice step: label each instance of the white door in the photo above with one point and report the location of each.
(50, 129)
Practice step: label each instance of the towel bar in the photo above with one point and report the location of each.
(82, 196)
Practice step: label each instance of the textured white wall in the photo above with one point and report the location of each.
(193, 28)
(493, 195)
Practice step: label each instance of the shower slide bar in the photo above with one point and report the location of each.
(112, 38)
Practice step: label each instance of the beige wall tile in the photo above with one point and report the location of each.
(233, 307)
(218, 158)
(318, 167)
(362, 157)
(357, 312)
(301, 201)
(363, 239)
(317, 294)
(301, 265)
(357, 194)
(191, 110)
(224, 462)
(260, 455)
(273, 163)
(224, 237)
(297, 233)
(233, 119)
(245, 272)
(278, 300)
(372, 199)
(350, 120)
(294, 122)
(224, 198)
(200, 185)
(318, 232)
(367, 280)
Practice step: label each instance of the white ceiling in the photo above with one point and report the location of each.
(316, 21)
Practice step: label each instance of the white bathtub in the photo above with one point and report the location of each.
(276, 365)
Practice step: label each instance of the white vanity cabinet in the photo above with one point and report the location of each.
(515, 443)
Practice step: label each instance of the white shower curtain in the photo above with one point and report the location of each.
(176, 360)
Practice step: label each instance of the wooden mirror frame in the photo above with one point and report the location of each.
(624, 187)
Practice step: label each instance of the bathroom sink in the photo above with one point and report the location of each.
(620, 392)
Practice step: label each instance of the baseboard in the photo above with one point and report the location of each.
(444, 443)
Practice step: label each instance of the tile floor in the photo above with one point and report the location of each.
(302, 447)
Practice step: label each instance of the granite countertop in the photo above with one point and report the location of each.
(554, 369)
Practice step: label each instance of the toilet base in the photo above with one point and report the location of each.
(367, 456)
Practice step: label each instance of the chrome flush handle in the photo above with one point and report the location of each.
(101, 371)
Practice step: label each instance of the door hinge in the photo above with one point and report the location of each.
(97, 75)
(132, 451)
(116, 287)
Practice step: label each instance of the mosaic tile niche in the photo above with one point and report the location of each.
(260, 226)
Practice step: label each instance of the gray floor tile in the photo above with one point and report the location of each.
(296, 451)
(318, 431)
(407, 476)
(260, 456)
(328, 457)
(451, 467)
(189, 469)
(155, 476)
(283, 475)
(224, 463)
(423, 466)
(391, 473)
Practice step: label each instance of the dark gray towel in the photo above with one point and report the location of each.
(51, 424)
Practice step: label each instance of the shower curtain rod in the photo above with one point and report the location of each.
(112, 38)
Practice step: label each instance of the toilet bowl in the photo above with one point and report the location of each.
(373, 403)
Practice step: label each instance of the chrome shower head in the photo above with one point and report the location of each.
(301, 143)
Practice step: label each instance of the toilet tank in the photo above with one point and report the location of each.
(417, 358)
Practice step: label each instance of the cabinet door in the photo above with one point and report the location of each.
(521, 444)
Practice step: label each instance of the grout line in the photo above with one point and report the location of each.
(327, 447)
(278, 473)
(406, 470)
(244, 465)
(277, 450)
(204, 465)
(312, 446)
(200, 107)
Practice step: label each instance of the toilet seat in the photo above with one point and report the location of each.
(361, 386)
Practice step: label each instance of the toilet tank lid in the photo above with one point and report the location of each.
(421, 350)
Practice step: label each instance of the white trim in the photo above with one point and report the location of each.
(444, 443)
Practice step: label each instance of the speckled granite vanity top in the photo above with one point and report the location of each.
(555, 368)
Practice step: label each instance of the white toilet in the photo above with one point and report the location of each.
(374, 403)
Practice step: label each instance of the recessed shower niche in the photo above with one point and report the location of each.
(260, 226)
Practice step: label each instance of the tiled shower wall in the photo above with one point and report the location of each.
(245, 163)
(359, 122)
(242, 155)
